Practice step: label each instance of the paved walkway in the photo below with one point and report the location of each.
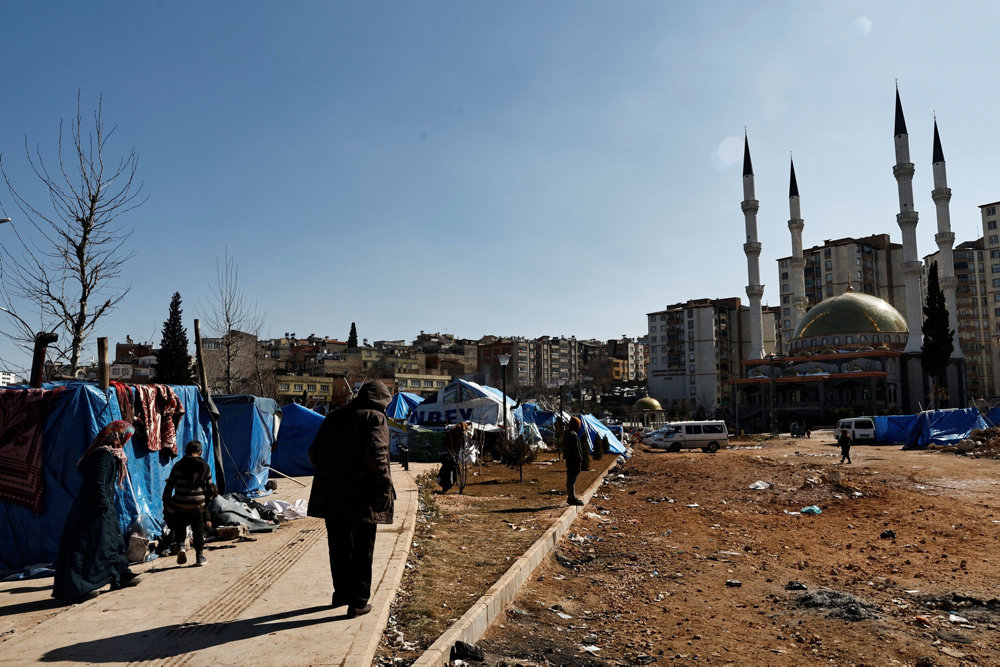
(261, 603)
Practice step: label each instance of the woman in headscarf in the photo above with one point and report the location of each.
(92, 550)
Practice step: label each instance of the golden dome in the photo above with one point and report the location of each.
(851, 313)
(647, 404)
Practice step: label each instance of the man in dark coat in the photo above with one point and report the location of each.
(188, 488)
(352, 490)
(573, 454)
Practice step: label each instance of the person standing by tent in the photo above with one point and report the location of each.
(573, 454)
(188, 488)
(352, 490)
(92, 549)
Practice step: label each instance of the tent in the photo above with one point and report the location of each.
(291, 450)
(77, 414)
(402, 404)
(941, 427)
(463, 401)
(594, 429)
(248, 425)
(993, 416)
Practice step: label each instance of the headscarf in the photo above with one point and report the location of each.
(112, 438)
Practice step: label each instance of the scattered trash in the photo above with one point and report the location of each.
(839, 605)
(288, 511)
(922, 620)
(563, 615)
(887, 535)
(463, 651)
(692, 505)
(760, 485)
(812, 509)
(955, 618)
(795, 586)
(733, 583)
(590, 648)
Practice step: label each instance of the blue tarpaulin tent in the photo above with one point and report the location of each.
(78, 413)
(941, 427)
(247, 426)
(401, 405)
(298, 428)
(595, 429)
(993, 416)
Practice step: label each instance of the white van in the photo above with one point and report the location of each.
(705, 435)
(856, 429)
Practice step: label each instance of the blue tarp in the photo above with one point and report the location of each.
(298, 428)
(993, 416)
(401, 404)
(897, 430)
(595, 429)
(78, 414)
(941, 427)
(247, 427)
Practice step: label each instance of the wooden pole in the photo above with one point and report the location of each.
(220, 472)
(202, 373)
(103, 370)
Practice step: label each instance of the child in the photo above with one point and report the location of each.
(189, 487)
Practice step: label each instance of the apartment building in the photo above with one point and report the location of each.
(632, 353)
(991, 255)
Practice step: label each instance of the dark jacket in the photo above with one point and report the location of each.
(351, 456)
(572, 450)
(189, 485)
(92, 550)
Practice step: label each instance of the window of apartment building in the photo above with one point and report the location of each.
(829, 277)
(828, 265)
(663, 327)
(297, 387)
(788, 323)
(996, 282)
(995, 268)
(996, 297)
(663, 316)
(428, 383)
(691, 357)
(787, 311)
(311, 387)
(690, 324)
(994, 239)
(691, 368)
(829, 291)
(982, 300)
(994, 254)
(324, 387)
(996, 311)
(784, 275)
(784, 299)
(826, 252)
(691, 346)
(653, 360)
(283, 386)
(991, 224)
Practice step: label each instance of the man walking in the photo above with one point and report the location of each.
(352, 490)
(188, 488)
(573, 454)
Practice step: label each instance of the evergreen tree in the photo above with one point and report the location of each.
(352, 339)
(938, 345)
(173, 363)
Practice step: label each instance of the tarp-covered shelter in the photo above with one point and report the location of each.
(248, 425)
(401, 404)
(463, 401)
(76, 414)
(940, 427)
(993, 416)
(291, 450)
(595, 429)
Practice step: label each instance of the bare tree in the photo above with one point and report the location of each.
(236, 324)
(75, 259)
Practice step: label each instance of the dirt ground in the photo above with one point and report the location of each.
(678, 559)
(465, 542)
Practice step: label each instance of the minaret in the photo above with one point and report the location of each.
(907, 220)
(795, 225)
(752, 249)
(945, 239)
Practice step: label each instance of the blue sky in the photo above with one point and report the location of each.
(514, 168)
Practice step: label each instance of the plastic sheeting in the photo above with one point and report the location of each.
(298, 429)
(941, 427)
(247, 425)
(402, 404)
(595, 429)
(78, 414)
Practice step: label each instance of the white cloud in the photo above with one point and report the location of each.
(862, 26)
(729, 152)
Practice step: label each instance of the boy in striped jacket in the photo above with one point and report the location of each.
(188, 489)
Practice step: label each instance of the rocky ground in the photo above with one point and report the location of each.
(710, 558)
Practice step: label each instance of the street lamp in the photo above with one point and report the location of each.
(770, 375)
(504, 359)
(3, 220)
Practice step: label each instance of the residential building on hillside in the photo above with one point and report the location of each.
(423, 384)
(631, 352)
(991, 253)
(8, 379)
(520, 369)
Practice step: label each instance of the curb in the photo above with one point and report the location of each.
(473, 624)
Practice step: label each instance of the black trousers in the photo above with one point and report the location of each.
(572, 472)
(178, 526)
(352, 547)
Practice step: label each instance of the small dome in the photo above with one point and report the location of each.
(851, 313)
(647, 404)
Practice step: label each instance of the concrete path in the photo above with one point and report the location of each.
(255, 603)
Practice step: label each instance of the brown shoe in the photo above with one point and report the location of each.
(358, 611)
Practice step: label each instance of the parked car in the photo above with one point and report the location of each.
(856, 429)
(706, 435)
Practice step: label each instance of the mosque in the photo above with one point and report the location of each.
(853, 350)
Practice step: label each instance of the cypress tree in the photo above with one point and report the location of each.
(352, 338)
(938, 346)
(173, 363)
